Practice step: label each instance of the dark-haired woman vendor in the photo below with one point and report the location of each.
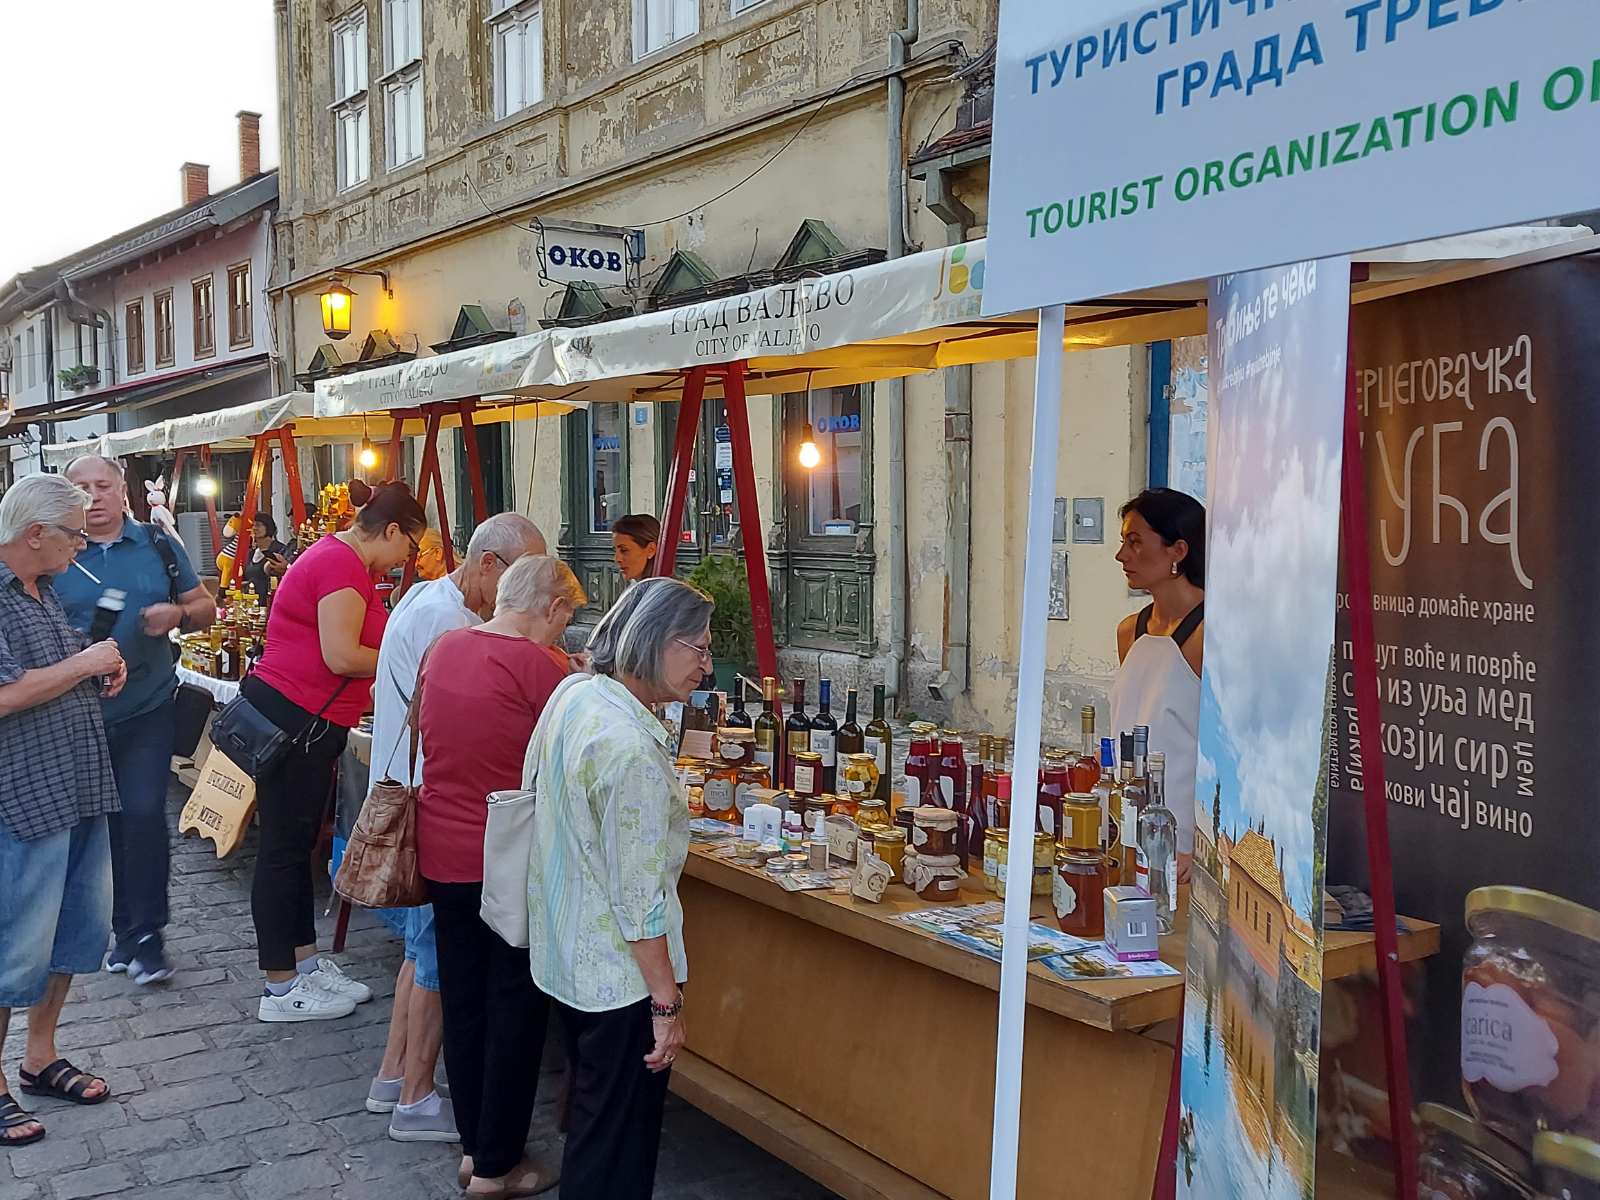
(1159, 647)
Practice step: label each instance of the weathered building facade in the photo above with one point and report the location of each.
(446, 146)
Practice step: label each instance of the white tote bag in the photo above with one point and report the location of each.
(508, 837)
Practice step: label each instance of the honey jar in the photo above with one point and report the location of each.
(890, 845)
(1530, 1014)
(736, 746)
(1078, 892)
(1080, 822)
(721, 780)
(752, 785)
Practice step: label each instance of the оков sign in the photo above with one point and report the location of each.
(1138, 145)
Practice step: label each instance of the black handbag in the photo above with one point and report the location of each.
(254, 743)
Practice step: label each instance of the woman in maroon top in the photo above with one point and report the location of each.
(314, 682)
(481, 692)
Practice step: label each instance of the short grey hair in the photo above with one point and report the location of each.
(534, 580)
(97, 458)
(39, 500)
(632, 638)
(507, 534)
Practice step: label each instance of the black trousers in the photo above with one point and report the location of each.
(494, 1028)
(291, 801)
(141, 760)
(614, 1107)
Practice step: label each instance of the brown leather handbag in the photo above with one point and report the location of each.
(380, 863)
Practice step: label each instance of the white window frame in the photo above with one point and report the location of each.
(744, 6)
(404, 135)
(682, 18)
(522, 20)
(351, 120)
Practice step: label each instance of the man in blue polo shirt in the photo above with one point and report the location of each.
(140, 721)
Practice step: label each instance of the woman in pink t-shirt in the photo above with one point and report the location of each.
(314, 682)
(482, 691)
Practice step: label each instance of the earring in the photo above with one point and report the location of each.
(1174, 568)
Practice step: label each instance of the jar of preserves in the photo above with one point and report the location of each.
(994, 849)
(844, 804)
(807, 767)
(858, 775)
(936, 877)
(1463, 1160)
(694, 788)
(736, 746)
(890, 845)
(752, 785)
(1044, 862)
(934, 830)
(721, 782)
(1530, 1014)
(1080, 822)
(872, 814)
(817, 813)
(1568, 1167)
(1078, 892)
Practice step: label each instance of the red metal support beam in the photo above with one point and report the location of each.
(469, 439)
(1380, 863)
(391, 464)
(425, 473)
(751, 534)
(439, 504)
(291, 475)
(694, 391)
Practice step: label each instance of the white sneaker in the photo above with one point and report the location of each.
(329, 977)
(304, 1002)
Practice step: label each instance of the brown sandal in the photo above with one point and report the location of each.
(14, 1116)
(65, 1082)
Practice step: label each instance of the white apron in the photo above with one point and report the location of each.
(1155, 686)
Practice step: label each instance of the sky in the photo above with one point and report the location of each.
(104, 99)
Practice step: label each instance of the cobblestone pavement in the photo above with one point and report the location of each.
(211, 1104)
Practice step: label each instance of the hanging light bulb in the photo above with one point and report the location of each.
(205, 486)
(368, 457)
(810, 456)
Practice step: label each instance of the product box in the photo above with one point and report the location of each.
(1131, 925)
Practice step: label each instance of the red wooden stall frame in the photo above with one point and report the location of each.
(752, 538)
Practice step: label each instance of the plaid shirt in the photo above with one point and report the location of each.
(55, 770)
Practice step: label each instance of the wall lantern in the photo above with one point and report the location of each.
(336, 311)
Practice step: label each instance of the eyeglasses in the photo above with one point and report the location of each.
(77, 535)
(416, 546)
(703, 652)
(503, 559)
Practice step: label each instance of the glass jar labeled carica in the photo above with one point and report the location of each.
(1568, 1167)
(1463, 1160)
(1530, 1014)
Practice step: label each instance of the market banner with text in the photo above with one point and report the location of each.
(1480, 428)
(1253, 998)
(1139, 144)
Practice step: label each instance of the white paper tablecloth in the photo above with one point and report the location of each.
(223, 689)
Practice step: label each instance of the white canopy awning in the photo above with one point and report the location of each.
(203, 429)
(902, 317)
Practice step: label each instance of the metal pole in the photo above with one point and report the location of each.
(1025, 772)
(469, 440)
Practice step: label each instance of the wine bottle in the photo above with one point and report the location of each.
(769, 732)
(824, 736)
(878, 741)
(797, 733)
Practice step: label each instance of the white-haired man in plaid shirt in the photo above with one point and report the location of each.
(56, 789)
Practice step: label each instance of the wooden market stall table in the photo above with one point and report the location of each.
(862, 1050)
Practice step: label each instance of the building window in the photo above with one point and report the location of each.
(740, 6)
(133, 321)
(1269, 929)
(833, 494)
(353, 134)
(517, 31)
(402, 81)
(88, 344)
(658, 23)
(205, 331)
(608, 465)
(163, 314)
(241, 327)
(33, 357)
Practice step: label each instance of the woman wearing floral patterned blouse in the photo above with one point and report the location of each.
(611, 833)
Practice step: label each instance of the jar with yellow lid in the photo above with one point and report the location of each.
(722, 781)
(1568, 1167)
(752, 784)
(1463, 1160)
(1530, 1014)
(807, 772)
(889, 845)
(1080, 822)
(995, 840)
(858, 776)
(873, 814)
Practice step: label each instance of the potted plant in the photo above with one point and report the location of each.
(74, 379)
(733, 639)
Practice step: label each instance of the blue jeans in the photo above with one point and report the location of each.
(141, 759)
(55, 908)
